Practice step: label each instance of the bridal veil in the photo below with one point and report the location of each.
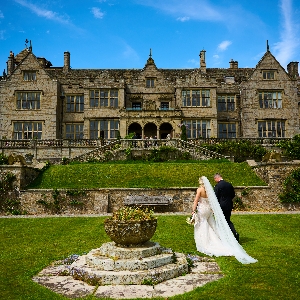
(223, 229)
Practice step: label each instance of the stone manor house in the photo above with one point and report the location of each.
(39, 101)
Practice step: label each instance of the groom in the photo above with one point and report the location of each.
(225, 193)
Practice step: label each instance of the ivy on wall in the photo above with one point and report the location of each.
(58, 203)
(7, 203)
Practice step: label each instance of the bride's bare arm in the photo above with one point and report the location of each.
(197, 197)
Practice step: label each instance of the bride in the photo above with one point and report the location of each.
(211, 231)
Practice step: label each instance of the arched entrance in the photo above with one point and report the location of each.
(150, 130)
(165, 129)
(135, 127)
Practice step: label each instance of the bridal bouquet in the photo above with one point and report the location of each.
(191, 220)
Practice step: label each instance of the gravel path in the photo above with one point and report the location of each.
(159, 214)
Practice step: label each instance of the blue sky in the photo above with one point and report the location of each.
(119, 33)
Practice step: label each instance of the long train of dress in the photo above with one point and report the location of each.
(206, 238)
(211, 231)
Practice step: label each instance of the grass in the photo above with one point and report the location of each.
(143, 175)
(30, 244)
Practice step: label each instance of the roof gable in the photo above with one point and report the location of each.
(268, 62)
(26, 60)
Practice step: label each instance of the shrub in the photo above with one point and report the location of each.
(3, 159)
(183, 132)
(291, 188)
(241, 150)
(291, 148)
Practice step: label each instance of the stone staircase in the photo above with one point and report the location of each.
(115, 150)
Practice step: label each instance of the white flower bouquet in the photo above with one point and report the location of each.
(191, 220)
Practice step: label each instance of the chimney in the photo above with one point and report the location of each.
(66, 61)
(292, 69)
(10, 63)
(202, 61)
(233, 64)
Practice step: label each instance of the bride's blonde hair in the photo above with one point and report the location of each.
(201, 183)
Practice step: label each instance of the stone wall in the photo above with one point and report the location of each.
(102, 201)
(24, 174)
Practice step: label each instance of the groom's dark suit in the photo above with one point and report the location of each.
(225, 193)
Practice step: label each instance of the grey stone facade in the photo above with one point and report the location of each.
(40, 101)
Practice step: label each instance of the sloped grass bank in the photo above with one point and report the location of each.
(30, 244)
(143, 175)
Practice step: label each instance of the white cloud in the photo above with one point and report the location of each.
(287, 47)
(1, 15)
(98, 14)
(2, 34)
(47, 14)
(194, 62)
(129, 52)
(216, 56)
(193, 9)
(224, 45)
(183, 19)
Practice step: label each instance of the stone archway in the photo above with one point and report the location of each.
(150, 130)
(135, 127)
(165, 129)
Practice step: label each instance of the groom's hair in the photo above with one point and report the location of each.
(217, 175)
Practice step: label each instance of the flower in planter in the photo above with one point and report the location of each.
(133, 213)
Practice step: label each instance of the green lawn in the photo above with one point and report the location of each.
(30, 244)
(143, 175)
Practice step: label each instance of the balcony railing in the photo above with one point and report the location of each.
(139, 143)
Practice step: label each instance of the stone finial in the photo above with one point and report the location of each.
(150, 60)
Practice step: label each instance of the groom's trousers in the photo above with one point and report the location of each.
(227, 214)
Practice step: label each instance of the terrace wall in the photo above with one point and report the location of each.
(102, 201)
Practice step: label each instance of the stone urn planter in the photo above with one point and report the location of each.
(131, 232)
(130, 226)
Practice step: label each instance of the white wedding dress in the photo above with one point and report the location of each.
(211, 231)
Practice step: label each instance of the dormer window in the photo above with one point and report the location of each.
(268, 75)
(29, 75)
(150, 82)
(229, 79)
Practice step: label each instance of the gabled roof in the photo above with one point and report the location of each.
(268, 53)
(20, 57)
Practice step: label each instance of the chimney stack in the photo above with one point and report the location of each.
(66, 61)
(10, 63)
(233, 64)
(202, 61)
(292, 69)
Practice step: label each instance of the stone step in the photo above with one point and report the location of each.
(108, 264)
(82, 271)
(148, 249)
